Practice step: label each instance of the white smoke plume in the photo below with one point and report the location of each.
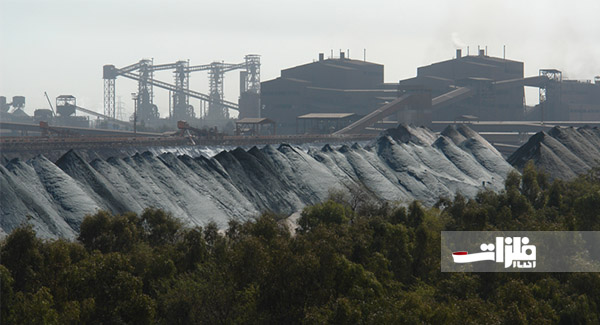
(458, 43)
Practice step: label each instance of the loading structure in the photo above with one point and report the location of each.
(66, 106)
(18, 102)
(482, 87)
(418, 104)
(218, 107)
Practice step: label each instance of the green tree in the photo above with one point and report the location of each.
(416, 214)
(21, 256)
(530, 187)
(328, 212)
(34, 308)
(6, 293)
(108, 279)
(109, 233)
(193, 249)
(160, 227)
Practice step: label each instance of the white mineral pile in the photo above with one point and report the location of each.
(563, 153)
(402, 165)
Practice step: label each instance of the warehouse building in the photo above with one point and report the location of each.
(336, 85)
(479, 72)
(479, 86)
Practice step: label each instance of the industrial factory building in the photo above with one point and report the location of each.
(335, 85)
(572, 100)
(476, 87)
(337, 95)
(481, 73)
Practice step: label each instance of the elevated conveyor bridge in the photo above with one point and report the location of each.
(408, 100)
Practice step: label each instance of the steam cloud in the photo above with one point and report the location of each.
(458, 43)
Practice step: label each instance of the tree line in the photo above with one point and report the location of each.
(352, 259)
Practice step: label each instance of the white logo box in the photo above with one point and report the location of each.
(520, 251)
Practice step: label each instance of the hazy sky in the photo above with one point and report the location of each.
(60, 46)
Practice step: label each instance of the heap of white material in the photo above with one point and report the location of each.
(563, 153)
(402, 165)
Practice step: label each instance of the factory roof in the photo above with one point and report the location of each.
(348, 64)
(255, 120)
(349, 61)
(489, 58)
(483, 60)
(479, 79)
(551, 70)
(339, 66)
(294, 79)
(325, 115)
(437, 78)
(286, 79)
(382, 90)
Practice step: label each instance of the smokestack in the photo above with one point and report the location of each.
(342, 55)
(481, 52)
(321, 56)
(458, 53)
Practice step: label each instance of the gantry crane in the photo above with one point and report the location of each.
(218, 107)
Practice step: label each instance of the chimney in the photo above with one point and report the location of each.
(342, 55)
(458, 53)
(321, 56)
(481, 52)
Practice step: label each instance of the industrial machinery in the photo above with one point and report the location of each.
(49, 103)
(185, 130)
(18, 103)
(66, 106)
(13, 111)
(218, 108)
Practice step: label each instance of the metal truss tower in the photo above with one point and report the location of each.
(550, 95)
(253, 73)
(218, 107)
(119, 109)
(110, 76)
(216, 110)
(145, 96)
(553, 76)
(249, 101)
(182, 110)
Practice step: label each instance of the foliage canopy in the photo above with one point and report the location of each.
(344, 264)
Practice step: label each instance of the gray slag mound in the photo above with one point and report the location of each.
(402, 165)
(563, 153)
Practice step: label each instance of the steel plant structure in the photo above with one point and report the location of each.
(143, 73)
(478, 87)
(334, 85)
